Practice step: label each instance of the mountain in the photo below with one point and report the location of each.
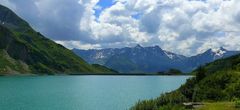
(140, 59)
(23, 50)
(208, 56)
(215, 82)
(132, 60)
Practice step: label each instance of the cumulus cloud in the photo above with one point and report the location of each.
(58, 19)
(77, 44)
(183, 26)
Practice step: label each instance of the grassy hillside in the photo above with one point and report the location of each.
(218, 106)
(107, 70)
(8, 64)
(24, 50)
(214, 82)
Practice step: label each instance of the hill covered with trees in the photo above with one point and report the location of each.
(216, 81)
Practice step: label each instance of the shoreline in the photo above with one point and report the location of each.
(128, 75)
(96, 74)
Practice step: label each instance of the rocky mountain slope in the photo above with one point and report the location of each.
(149, 59)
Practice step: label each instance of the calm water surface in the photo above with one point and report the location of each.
(82, 92)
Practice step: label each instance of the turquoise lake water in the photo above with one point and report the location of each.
(82, 92)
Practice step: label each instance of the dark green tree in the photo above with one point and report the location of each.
(174, 71)
(200, 73)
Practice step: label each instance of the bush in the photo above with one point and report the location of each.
(233, 90)
(188, 88)
(172, 98)
(237, 104)
(167, 101)
(145, 105)
(172, 107)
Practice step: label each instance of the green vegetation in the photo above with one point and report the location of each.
(218, 106)
(237, 104)
(23, 50)
(174, 71)
(171, 72)
(200, 73)
(107, 70)
(215, 82)
(6, 63)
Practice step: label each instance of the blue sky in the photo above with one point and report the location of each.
(103, 4)
(182, 26)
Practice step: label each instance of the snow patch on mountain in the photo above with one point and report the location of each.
(99, 55)
(218, 52)
(170, 55)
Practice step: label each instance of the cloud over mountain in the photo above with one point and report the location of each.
(183, 26)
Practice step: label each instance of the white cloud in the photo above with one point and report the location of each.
(114, 24)
(229, 41)
(182, 26)
(8, 3)
(78, 44)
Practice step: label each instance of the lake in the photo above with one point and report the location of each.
(82, 92)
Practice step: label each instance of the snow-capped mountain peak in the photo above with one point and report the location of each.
(219, 52)
(170, 55)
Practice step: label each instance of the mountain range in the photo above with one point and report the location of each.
(23, 50)
(153, 59)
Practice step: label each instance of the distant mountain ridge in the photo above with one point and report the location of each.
(23, 50)
(149, 59)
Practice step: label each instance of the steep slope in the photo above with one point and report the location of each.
(216, 81)
(24, 50)
(8, 64)
(95, 56)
